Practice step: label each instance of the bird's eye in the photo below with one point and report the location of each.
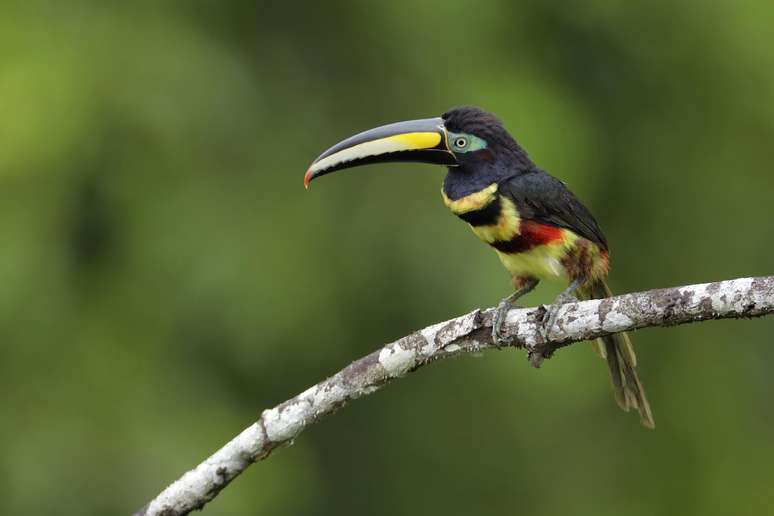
(462, 143)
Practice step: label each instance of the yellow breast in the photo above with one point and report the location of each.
(543, 262)
(506, 227)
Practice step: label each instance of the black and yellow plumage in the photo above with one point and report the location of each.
(537, 227)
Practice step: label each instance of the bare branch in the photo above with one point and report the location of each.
(739, 298)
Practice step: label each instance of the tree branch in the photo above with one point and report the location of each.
(739, 298)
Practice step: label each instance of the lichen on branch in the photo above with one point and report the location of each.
(278, 426)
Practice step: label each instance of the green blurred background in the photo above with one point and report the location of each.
(165, 276)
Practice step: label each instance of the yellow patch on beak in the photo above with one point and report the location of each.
(416, 141)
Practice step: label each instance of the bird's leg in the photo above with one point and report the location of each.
(525, 287)
(542, 350)
(566, 296)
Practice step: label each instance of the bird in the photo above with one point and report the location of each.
(537, 227)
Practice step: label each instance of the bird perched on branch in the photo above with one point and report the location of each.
(537, 227)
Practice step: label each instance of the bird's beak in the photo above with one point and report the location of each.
(420, 141)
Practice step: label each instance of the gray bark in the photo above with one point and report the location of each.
(278, 426)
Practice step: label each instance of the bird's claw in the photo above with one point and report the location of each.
(500, 315)
(502, 311)
(553, 312)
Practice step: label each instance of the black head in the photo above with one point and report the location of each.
(485, 151)
(486, 126)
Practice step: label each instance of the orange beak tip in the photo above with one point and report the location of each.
(307, 179)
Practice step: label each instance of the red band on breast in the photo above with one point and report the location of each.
(539, 234)
(531, 234)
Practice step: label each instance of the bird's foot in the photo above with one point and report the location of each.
(553, 312)
(500, 315)
(543, 349)
(525, 285)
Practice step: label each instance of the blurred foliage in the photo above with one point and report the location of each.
(165, 276)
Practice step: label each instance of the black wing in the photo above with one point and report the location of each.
(543, 198)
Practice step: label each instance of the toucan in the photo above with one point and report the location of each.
(537, 227)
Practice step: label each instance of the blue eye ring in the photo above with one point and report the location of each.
(463, 143)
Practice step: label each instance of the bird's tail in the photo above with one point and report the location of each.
(622, 361)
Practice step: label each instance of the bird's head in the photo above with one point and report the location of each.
(471, 142)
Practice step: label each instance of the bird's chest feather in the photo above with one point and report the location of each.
(523, 246)
(491, 216)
